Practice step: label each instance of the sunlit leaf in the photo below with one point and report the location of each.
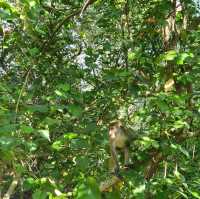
(57, 92)
(182, 57)
(70, 135)
(180, 124)
(31, 146)
(195, 194)
(57, 145)
(45, 134)
(170, 55)
(64, 87)
(131, 56)
(139, 189)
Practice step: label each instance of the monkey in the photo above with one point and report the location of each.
(119, 138)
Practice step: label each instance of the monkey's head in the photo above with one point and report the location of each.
(115, 127)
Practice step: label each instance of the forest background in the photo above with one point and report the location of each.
(68, 68)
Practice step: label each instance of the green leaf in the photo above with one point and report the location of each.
(64, 87)
(180, 124)
(162, 106)
(34, 51)
(82, 163)
(195, 194)
(30, 183)
(32, 3)
(19, 168)
(170, 55)
(183, 194)
(45, 134)
(184, 151)
(182, 57)
(75, 110)
(123, 73)
(8, 142)
(38, 108)
(59, 93)
(31, 146)
(77, 144)
(139, 189)
(5, 5)
(181, 149)
(26, 129)
(70, 135)
(89, 190)
(58, 145)
(148, 142)
(8, 129)
(38, 194)
(51, 121)
(131, 56)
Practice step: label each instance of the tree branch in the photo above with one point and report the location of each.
(86, 4)
(12, 187)
(58, 27)
(66, 18)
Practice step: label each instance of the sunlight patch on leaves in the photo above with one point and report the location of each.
(45, 134)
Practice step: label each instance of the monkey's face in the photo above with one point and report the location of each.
(117, 136)
(115, 130)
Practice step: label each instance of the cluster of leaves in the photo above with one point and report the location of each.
(64, 77)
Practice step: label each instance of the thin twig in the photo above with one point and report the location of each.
(21, 91)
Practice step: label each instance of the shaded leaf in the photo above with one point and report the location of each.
(75, 110)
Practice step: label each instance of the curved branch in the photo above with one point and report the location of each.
(86, 4)
(67, 18)
(58, 27)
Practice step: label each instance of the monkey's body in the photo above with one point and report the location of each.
(119, 139)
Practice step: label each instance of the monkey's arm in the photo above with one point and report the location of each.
(114, 159)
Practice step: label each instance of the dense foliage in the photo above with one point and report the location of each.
(68, 68)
